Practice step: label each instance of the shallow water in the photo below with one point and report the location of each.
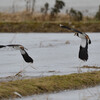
(84, 94)
(53, 54)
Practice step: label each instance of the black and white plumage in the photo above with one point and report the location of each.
(85, 40)
(24, 54)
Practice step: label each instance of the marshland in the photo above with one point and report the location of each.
(54, 50)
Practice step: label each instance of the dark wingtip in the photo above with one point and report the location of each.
(1, 46)
(89, 41)
(65, 27)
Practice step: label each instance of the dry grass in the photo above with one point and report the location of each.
(27, 16)
(48, 26)
(49, 84)
(27, 22)
(94, 67)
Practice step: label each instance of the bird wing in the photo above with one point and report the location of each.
(25, 56)
(12, 45)
(87, 37)
(70, 29)
(1, 46)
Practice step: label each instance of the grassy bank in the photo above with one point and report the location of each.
(38, 22)
(48, 26)
(49, 84)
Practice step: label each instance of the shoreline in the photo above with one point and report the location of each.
(49, 84)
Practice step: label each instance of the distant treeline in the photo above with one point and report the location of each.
(54, 11)
(74, 15)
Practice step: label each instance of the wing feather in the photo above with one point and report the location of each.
(1, 46)
(70, 29)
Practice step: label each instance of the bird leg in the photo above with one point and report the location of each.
(18, 74)
(79, 68)
(29, 65)
(32, 66)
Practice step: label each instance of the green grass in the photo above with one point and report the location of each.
(49, 84)
(48, 26)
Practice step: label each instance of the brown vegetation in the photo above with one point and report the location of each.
(27, 16)
(49, 84)
(94, 67)
(27, 22)
(47, 26)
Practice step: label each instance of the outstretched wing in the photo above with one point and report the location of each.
(1, 46)
(13, 45)
(70, 28)
(25, 56)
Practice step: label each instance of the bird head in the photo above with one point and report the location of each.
(23, 48)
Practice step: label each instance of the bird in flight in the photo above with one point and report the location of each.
(85, 40)
(23, 52)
